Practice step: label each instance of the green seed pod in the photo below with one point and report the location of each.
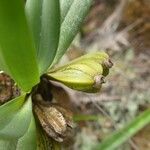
(85, 73)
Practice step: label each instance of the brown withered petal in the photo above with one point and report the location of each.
(66, 113)
(99, 80)
(52, 121)
(108, 63)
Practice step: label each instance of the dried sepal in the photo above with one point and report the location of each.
(54, 120)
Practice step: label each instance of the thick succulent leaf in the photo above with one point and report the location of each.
(28, 141)
(44, 19)
(33, 10)
(70, 25)
(3, 66)
(50, 28)
(64, 8)
(8, 144)
(18, 123)
(119, 137)
(85, 73)
(9, 109)
(17, 51)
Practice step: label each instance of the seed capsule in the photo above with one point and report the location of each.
(85, 73)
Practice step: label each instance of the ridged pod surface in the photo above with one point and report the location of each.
(85, 73)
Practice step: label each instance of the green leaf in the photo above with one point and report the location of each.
(7, 144)
(33, 10)
(64, 7)
(18, 123)
(9, 109)
(50, 28)
(28, 141)
(119, 137)
(44, 19)
(85, 73)
(71, 25)
(17, 51)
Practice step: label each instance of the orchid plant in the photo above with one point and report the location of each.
(33, 37)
